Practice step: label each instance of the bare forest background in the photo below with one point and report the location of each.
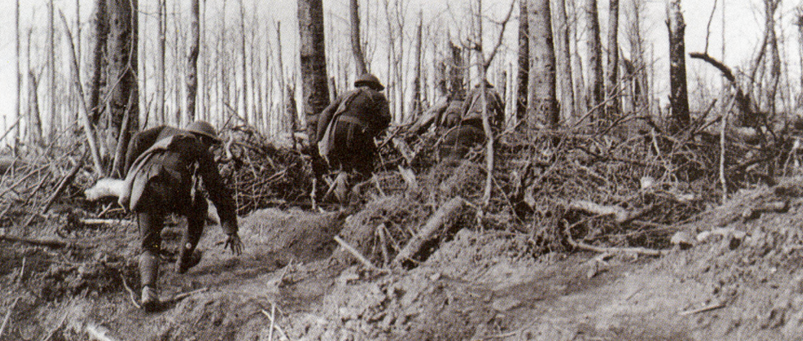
(248, 67)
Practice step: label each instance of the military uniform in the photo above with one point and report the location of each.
(165, 181)
(469, 131)
(356, 117)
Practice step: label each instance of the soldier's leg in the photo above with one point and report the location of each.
(150, 225)
(196, 218)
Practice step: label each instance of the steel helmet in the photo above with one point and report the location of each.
(369, 80)
(203, 128)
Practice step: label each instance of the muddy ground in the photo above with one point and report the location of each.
(741, 282)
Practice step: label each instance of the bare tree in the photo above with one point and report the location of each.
(122, 87)
(542, 105)
(679, 97)
(563, 58)
(356, 44)
(51, 71)
(524, 61)
(244, 63)
(313, 61)
(417, 100)
(612, 79)
(192, 60)
(595, 92)
(34, 120)
(160, 62)
(100, 35)
(18, 74)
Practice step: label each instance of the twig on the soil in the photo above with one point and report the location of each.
(8, 314)
(444, 217)
(123, 222)
(98, 332)
(367, 263)
(380, 231)
(631, 250)
(51, 243)
(22, 271)
(182, 296)
(621, 215)
(703, 309)
(131, 294)
(271, 317)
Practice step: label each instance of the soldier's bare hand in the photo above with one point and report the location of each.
(234, 244)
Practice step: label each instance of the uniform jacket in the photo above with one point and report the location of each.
(368, 106)
(179, 165)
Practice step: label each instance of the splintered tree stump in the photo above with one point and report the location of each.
(443, 219)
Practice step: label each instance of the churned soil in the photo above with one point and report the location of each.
(737, 278)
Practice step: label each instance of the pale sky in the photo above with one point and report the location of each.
(743, 20)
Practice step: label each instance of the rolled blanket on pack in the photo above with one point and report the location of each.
(104, 188)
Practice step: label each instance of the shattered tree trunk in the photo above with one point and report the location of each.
(524, 62)
(192, 60)
(314, 79)
(563, 59)
(612, 107)
(678, 97)
(442, 219)
(34, 120)
(18, 73)
(51, 72)
(542, 107)
(417, 84)
(98, 46)
(244, 65)
(121, 48)
(160, 64)
(595, 82)
(356, 44)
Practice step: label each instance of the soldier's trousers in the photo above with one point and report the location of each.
(150, 218)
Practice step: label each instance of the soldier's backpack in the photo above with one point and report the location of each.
(143, 171)
(326, 143)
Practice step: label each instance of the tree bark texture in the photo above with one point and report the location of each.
(542, 109)
(192, 60)
(160, 63)
(34, 120)
(524, 61)
(563, 59)
(98, 62)
(678, 97)
(612, 79)
(122, 84)
(356, 45)
(51, 71)
(417, 88)
(313, 56)
(595, 82)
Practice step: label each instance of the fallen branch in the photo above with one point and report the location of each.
(630, 250)
(8, 314)
(63, 184)
(131, 294)
(702, 310)
(443, 218)
(182, 296)
(367, 263)
(98, 332)
(273, 323)
(621, 215)
(51, 243)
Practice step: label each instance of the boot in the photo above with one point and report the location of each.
(150, 299)
(185, 262)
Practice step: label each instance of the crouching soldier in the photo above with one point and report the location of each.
(347, 127)
(469, 131)
(165, 167)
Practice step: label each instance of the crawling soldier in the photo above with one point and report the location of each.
(165, 167)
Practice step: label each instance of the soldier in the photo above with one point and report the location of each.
(356, 118)
(469, 130)
(473, 105)
(165, 167)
